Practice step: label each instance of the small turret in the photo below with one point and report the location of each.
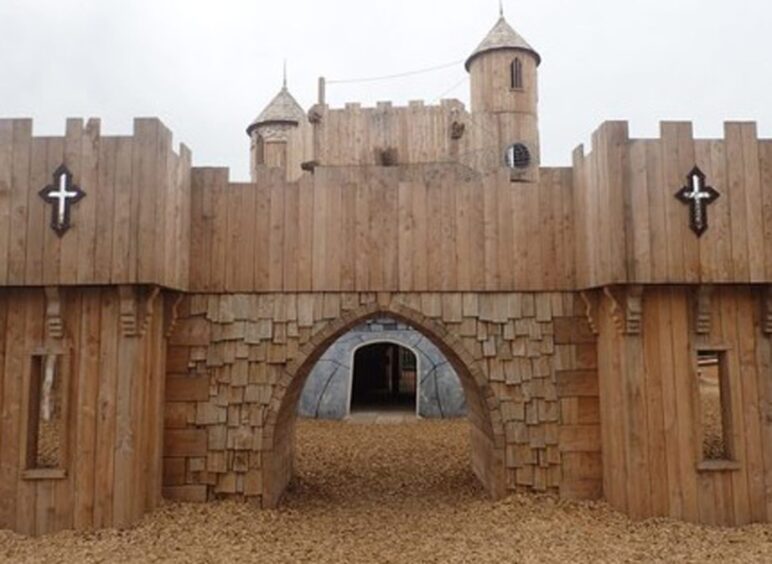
(279, 135)
(504, 84)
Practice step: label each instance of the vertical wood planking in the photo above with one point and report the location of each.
(17, 251)
(738, 210)
(104, 209)
(85, 213)
(6, 186)
(38, 216)
(123, 242)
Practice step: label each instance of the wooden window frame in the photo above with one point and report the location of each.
(730, 463)
(30, 414)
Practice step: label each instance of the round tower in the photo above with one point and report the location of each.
(279, 136)
(505, 96)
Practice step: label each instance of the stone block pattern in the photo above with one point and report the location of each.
(233, 358)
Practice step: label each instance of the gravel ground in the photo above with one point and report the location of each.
(394, 493)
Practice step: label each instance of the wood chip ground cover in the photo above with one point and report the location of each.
(394, 493)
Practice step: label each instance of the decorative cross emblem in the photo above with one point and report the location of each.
(698, 196)
(62, 194)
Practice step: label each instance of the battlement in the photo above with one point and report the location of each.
(132, 221)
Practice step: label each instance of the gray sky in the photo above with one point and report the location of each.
(208, 68)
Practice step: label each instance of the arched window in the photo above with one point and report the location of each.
(517, 74)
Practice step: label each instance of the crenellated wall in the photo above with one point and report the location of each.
(511, 280)
(132, 227)
(634, 230)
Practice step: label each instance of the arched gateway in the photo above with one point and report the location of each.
(487, 431)
(157, 320)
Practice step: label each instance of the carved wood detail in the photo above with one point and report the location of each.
(590, 300)
(766, 310)
(171, 312)
(626, 308)
(54, 319)
(702, 309)
(136, 309)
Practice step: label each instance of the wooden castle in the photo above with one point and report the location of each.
(611, 321)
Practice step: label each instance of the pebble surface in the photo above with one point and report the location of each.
(394, 493)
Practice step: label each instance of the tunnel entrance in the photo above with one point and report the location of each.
(384, 378)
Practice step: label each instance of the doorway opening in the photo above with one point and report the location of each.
(384, 378)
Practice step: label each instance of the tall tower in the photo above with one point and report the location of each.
(280, 136)
(505, 97)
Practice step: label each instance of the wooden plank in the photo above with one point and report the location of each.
(670, 410)
(684, 386)
(740, 509)
(753, 202)
(106, 410)
(654, 332)
(676, 214)
(765, 158)
(38, 211)
(6, 183)
(145, 229)
(420, 250)
(185, 442)
(123, 268)
(105, 209)
(721, 231)
(17, 249)
(305, 233)
(405, 230)
(639, 248)
(14, 364)
(752, 408)
(185, 388)
(233, 238)
(88, 388)
(291, 240)
(218, 192)
(735, 189)
(85, 213)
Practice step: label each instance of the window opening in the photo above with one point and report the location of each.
(45, 414)
(517, 74)
(715, 405)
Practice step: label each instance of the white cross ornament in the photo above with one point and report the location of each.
(698, 196)
(62, 194)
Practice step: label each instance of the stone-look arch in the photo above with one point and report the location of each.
(487, 428)
(236, 365)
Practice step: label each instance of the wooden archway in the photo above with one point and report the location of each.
(487, 428)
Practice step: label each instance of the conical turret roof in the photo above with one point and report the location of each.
(282, 109)
(502, 36)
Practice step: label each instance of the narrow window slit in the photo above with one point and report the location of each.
(45, 414)
(715, 405)
(517, 74)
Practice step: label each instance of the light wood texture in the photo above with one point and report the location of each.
(133, 225)
(632, 228)
(111, 476)
(652, 446)
(427, 228)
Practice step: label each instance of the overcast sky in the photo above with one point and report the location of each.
(208, 68)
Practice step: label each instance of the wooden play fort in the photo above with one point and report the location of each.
(611, 321)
